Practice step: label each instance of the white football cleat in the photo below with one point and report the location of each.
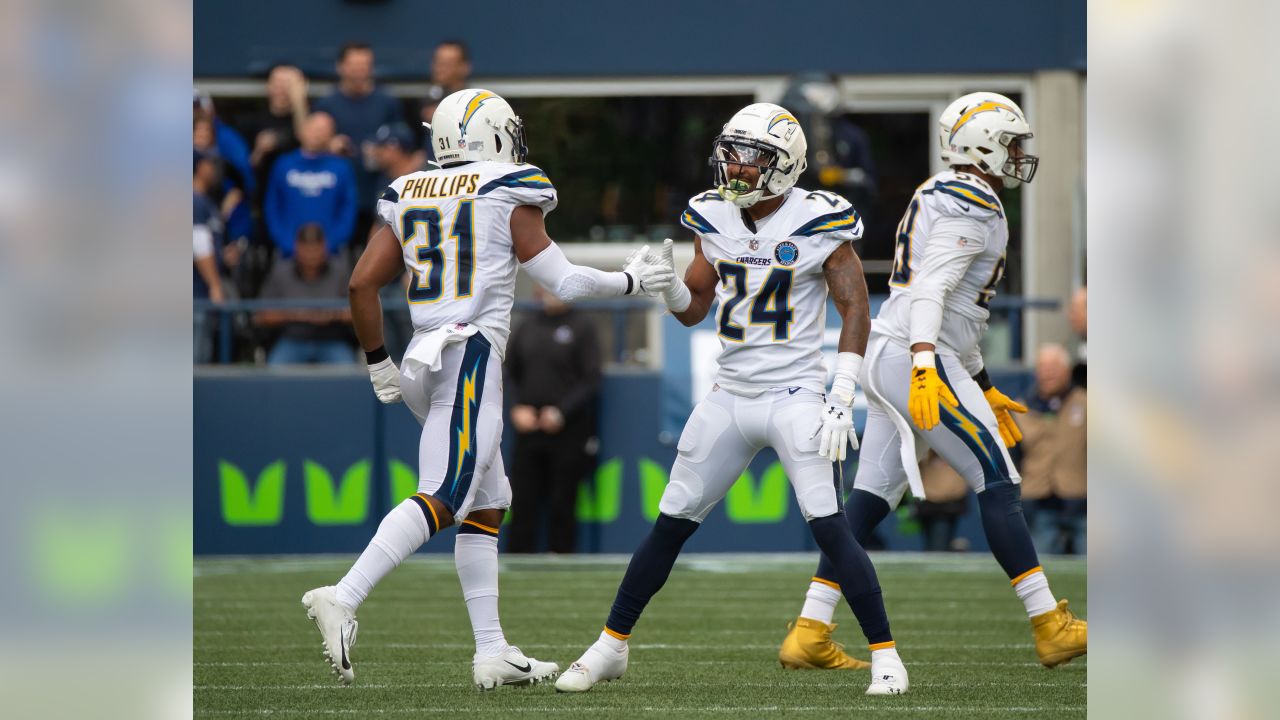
(597, 664)
(888, 674)
(337, 627)
(511, 668)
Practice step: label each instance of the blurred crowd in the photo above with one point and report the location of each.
(284, 197)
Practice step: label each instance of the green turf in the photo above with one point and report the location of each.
(706, 647)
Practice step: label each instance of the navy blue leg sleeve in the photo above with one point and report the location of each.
(1006, 528)
(856, 575)
(865, 511)
(648, 571)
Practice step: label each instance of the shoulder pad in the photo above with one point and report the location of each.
(966, 195)
(529, 177)
(695, 220)
(845, 219)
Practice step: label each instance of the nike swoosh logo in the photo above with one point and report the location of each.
(527, 666)
(964, 208)
(342, 641)
(793, 391)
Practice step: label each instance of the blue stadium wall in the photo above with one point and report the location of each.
(511, 38)
(309, 463)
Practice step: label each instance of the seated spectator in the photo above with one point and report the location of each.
(1054, 473)
(359, 107)
(206, 239)
(948, 501)
(309, 336)
(311, 185)
(395, 153)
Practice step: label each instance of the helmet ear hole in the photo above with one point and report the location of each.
(497, 138)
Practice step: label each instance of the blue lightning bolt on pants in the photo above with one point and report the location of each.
(460, 408)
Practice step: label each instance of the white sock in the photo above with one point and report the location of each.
(889, 654)
(399, 535)
(611, 642)
(820, 602)
(476, 557)
(1033, 591)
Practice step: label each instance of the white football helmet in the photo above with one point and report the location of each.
(764, 135)
(475, 124)
(978, 128)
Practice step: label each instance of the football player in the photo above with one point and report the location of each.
(925, 380)
(769, 253)
(461, 230)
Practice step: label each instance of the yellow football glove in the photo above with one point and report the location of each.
(927, 390)
(1001, 404)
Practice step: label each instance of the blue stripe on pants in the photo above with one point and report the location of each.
(964, 425)
(462, 426)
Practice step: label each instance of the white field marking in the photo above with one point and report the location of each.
(875, 706)
(707, 562)
(634, 646)
(335, 685)
(463, 663)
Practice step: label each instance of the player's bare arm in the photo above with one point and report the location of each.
(380, 264)
(701, 280)
(528, 232)
(848, 288)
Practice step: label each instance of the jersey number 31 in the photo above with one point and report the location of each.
(428, 282)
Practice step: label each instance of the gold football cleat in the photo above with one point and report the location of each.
(808, 646)
(1060, 635)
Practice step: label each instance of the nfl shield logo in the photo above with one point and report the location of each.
(754, 245)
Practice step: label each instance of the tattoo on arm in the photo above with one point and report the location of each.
(848, 288)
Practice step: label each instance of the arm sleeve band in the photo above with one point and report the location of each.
(201, 241)
(677, 297)
(848, 368)
(569, 282)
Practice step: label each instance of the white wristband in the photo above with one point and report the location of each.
(848, 368)
(924, 358)
(677, 297)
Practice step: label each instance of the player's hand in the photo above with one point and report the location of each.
(386, 381)
(1002, 405)
(927, 390)
(649, 276)
(835, 426)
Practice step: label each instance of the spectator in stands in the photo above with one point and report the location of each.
(206, 239)
(311, 185)
(450, 72)
(239, 186)
(395, 152)
(1054, 474)
(948, 501)
(359, 107)
(553, 371)
(1078, 316)
(275, 131)
(309, 335)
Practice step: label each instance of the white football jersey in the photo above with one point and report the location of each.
(954, 225)
(454, 227)
(771, 310)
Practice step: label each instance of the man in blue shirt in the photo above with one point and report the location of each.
(359, 108)
(311, 185)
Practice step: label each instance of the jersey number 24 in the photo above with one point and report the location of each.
(771, 306)
(428, 283)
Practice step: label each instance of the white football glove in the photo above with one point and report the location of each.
(677, 296)
(650, 276)
(834, 426)
(386, 381)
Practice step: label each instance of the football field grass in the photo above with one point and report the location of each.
(706, 646)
